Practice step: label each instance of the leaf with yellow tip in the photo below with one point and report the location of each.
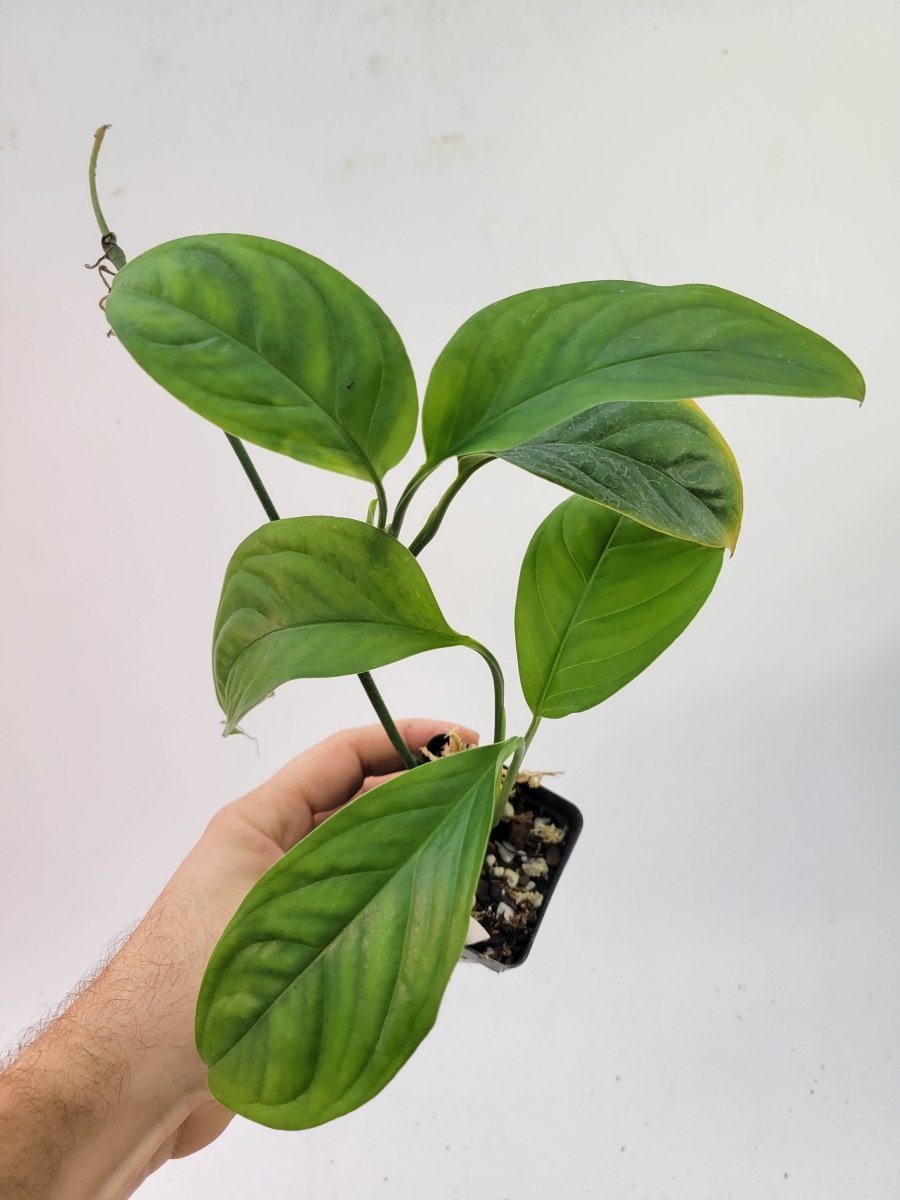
(664, 465)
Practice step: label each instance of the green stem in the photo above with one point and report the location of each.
(381, 503)
(387, 720)
(107, 238)
(499, 688)
(467, 467)
(529, 734)
(253, 475)
(408, 492)
(512, 770)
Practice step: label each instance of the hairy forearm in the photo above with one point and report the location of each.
(96, 1103)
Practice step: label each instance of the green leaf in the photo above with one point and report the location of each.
(273, 346)
(600, 597)
(318, 596)
(664, 465)
(333, 968)
(530, 361)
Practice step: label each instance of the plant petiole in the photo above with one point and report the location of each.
(466, 467)
(387, 721)
(253, 475)
(499, 688)
(512, 771)
(381, 503)
(405, 499)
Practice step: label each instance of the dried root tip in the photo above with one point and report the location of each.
(534, 779)
(452, 743)
(547, 831)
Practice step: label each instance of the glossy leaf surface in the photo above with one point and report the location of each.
(318, 596)
(600, 597)
(333, 968)
(533, 360)
(664, 465)
(272, 345)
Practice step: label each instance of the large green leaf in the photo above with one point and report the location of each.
(273, 346)
(318, 596)
(333, 968)
(664, 465)
(532, 360)
(600, 597)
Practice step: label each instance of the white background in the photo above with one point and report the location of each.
(711, 1010)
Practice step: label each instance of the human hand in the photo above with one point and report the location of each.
(116, 1087)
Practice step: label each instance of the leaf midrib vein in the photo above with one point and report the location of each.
(616, 612)
(326, 949)
(583, 599)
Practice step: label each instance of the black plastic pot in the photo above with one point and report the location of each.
(564, 813)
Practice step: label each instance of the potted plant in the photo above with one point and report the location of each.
(333, 968)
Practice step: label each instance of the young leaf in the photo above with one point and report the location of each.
(318, 596)
(600, 597)
(273, 346)
(532, 360)
(664, 465)
(333, 968)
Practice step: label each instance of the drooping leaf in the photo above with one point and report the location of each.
(600, 597)
(532, 360)
(318, 596)
(333, 968)
(272, 345)
(664, 465)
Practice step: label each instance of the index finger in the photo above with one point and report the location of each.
(330, 773)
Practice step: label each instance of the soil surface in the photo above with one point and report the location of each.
(523, 855)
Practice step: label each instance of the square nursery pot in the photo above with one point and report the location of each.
(531, 847)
